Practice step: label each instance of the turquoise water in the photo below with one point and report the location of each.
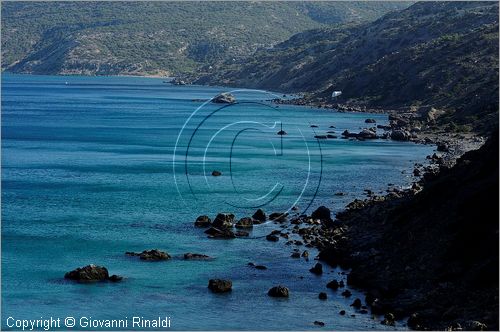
(96, 166)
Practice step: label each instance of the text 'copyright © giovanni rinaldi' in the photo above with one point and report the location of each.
(78, 323)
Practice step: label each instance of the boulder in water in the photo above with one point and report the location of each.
(220, 285)
(279, 291)
(203, 221)
(224, 98)
(91, 273)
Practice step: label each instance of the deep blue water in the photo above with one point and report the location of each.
(96, 166)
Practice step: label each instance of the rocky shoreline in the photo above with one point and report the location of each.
(418, 125)
(418, 254)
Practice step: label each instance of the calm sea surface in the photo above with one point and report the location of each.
(96, 166)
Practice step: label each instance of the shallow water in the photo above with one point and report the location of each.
(96, 166)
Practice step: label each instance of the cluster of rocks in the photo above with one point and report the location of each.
(93, 273)
(222, 226)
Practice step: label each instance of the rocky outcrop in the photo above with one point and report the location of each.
(220, 285)
(216, 173)
(150, 255)
(279, 291)
(400, 135)
(224, 98)
(223, 220)
(322, 213)
(91, 273)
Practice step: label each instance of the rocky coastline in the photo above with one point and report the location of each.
(420, 254)
(415, 124)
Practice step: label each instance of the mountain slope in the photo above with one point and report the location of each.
(157, 37)
(443, 54)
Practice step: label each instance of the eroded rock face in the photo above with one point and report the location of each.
(220, 285)
(279, 291)
(91, 273)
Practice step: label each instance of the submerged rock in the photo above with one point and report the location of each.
(272, 238)
(322, 296)
(216, 173)
(241, 234)
(370, 121)
(220, 285)
(278, 216)
(196, 256)
(115, 278)
(319, 323)
(279, 291)
(220, 233)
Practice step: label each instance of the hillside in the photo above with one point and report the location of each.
(163, 38)
(441, 54)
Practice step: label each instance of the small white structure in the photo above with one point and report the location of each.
(336, 93)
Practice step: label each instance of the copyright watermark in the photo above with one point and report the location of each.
(84, 322)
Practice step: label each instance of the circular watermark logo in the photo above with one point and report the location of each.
(241, 150)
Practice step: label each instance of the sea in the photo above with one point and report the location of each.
(93, 167)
